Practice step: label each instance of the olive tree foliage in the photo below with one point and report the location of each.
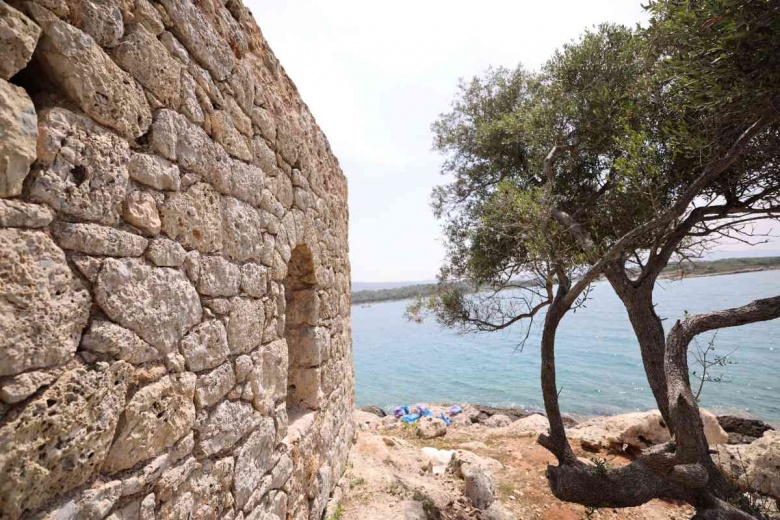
(629, 149)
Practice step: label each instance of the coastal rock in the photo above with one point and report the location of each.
(754, 466)
(156, 417)
(532, 425)
(94, 239)
(157, 303)
(496, 511)
(43, 308)
(479, 485)
(430, 427)
(77, 64)
(18, 138)
(373, 410)
(498, 421)
(60, 440)
(18, 36)
(81, 169)
(742, 430)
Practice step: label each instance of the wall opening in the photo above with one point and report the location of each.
(301, 316)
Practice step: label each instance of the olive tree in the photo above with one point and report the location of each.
(630, 149)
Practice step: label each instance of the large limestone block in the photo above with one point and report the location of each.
(18, 36)
(154, 171)
(16, 213)
(18, 134)
(218, 277)
(83, 167)
(245, 325)
(228, 423)
(60, 440)
(253, 460)
(213, 386)
(165, 253)
(205, 346)
(156, 417)
(75, 62)
(108, 338)
(43, 309)
(193, 218)
(94, 239)
(205, 494)
(199, 37)
(142, 55)
(242, 229)
(157, 303)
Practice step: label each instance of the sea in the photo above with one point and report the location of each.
(599, 365)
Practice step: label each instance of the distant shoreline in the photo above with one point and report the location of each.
(700, 269)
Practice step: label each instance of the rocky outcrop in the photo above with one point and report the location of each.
(754, 466)
(174, 276)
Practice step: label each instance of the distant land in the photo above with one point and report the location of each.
(375, 292)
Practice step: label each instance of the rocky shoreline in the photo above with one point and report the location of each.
(486, 464)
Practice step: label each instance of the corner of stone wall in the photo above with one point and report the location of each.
(158, 170)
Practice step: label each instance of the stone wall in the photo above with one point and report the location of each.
(174, 274)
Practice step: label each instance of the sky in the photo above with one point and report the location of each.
(377, 74)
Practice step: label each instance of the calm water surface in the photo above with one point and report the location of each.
(598, 360)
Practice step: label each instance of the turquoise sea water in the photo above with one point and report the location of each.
(598, 360)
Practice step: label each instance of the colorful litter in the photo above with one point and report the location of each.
(411, 414)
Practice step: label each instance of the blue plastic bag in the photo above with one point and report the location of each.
(455, 410)
(410, 418)
(444, 418)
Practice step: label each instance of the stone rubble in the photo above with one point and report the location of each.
(174, 272)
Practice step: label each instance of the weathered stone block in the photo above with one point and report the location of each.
(156, 417)
(228, 423)
(17, 140)
(73, 60)
(254, 280)
(113, 340)
(82, 168)
(165, 253)
(205, 346)
(157, 303)
(192, 218)
(218, 277)
(242, 229)
(15, 213)
(18, 36)
(42, 307)
(154, 171)
(94, 239)
(140, 210)
(213, 386)
(245, 325)
(253, 460)
(60, 440)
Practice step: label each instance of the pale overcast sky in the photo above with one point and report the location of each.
(377, 74)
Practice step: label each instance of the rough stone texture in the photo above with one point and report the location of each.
(94, 239)
(431, 427)
(42, 307)
(60, 440)
(19, 132)
(155, 418)
(754, 466)
(18, 36)
(158, 304)
(187, 353)
(82, 167)
(85, 72)
(15, 213)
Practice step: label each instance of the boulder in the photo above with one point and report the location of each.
(533, 425)
(496, 511)
(479, 485)
(366, 420)
(374, 410)
(498, 420)
(430, 427)
(437, 461)
(742, 430)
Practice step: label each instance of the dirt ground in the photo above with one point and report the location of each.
(388, 479)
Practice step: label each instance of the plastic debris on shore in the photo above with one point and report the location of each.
(411, 414)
